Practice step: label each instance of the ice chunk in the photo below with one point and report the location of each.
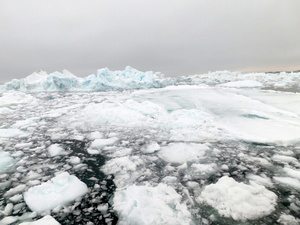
(285, 219)
(122, 168)
(55, 150)
(182, 152)
(151, 147)
(9, 220)
(95, 135)
(262, 180)
(101, 143)
(8, 209)
(5, 110)
(46, 220)
(60, 190)
(292, 173)
(7, 162)
(15, 97)
(144, 205)
(283, 158)
(288, 181)
(74, 160)
(198, 170)
(15, 190)
(10, 133)
(238, 200)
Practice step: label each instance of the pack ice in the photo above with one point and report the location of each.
(218, 148)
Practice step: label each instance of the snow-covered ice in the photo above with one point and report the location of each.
(141, 205)
(60, 190)
(238, 200)
(182, 152)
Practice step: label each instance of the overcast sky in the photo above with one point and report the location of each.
(171, 36)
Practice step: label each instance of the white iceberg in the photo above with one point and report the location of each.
(60, 190)
(104, 80)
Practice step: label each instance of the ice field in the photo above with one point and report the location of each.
(134, 148)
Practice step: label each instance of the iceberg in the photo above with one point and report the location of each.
(60, 190)
(104, 80)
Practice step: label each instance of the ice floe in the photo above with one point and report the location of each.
(238, 200)
(182, 152)
(46, 220)
(150, 205)
(7, 162)
(60, 190)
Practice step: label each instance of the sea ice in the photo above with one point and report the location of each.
(285, 219)
(288, 181)
(46, 220)
(7, 162)
(182, 152)
(60, 190)
(10, 133)
(55, 150)
(145, 205)
(151, 147)
(123, 168)
(292, 173)
(15, 97)
(101, 143)
(238, 200)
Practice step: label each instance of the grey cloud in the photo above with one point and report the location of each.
(174, 37)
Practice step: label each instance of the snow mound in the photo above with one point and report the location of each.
(60, 190)
(46, 220)
(104, 80)
(252, 201)
(144, 205)
(6, 162)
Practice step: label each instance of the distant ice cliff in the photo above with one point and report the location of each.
(130, 78)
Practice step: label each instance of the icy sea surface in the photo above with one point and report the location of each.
(175, 155)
